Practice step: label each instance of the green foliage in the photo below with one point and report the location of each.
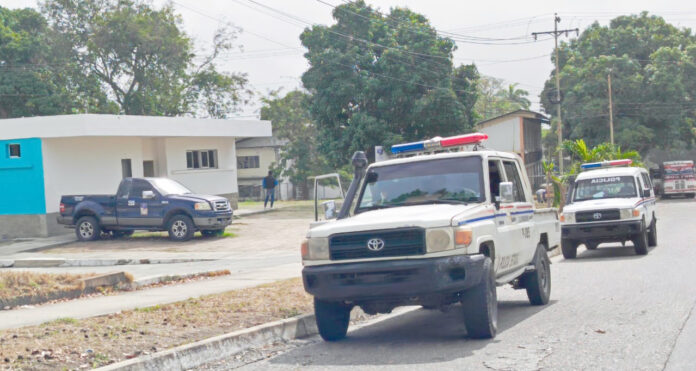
(580, 153)
(495, 99)
(143, 59)
(383, 79)
(653, 69)
(299, 158)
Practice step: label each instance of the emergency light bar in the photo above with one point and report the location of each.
(438, 142)
(598, 165)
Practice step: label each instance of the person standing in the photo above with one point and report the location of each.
(269, 184)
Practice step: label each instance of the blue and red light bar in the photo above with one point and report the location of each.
(437, 142)
(598, 165)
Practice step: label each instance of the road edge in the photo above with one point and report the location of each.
(188, 356)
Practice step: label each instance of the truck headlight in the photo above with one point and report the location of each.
(462, 237)
(568, 218)
(437, 240)
(316, 248)
(202, 206)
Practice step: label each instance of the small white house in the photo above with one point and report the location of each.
(42, 158)
(255, 156)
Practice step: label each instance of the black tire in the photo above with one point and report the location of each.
(591, 245)
(652, 234)
(480, 305)
(121, 234)
(569, 248)
(180, 228)
(538, 282)
(640, 241)
(332, 319)
(87, 229)
(212, 233)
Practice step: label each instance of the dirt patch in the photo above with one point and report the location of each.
(93, 342)
(19, 284)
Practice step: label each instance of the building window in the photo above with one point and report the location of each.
(248, 162)
(201, 159)
(14, 150)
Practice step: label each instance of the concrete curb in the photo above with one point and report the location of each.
(166, 278)
(52, 263)
(209, 350)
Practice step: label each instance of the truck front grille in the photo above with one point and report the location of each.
(396, 242)
(597, 215)
(222, 206)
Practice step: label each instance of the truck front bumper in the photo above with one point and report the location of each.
(393, 279)
(616, 230)
(215, 221)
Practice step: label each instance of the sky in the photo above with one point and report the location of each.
(270, 52)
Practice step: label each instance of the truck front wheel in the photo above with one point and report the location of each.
(569, 248)
(180, 228)
(640, 241)
(87, 229)
(538, 282)
(652, 235)
(332, 319)
(481, 305)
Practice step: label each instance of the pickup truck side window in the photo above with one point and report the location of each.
(495, 176)
(646, 181)
(139, 186)
(124, 189)
(514, 176)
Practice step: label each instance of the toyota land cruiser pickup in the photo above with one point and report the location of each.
(609, 202)
(433, 229)
(152, 204)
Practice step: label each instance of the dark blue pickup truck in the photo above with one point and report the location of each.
(152, 204)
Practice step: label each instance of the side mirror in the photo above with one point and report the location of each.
(506, 195)
(148, 195)
(646, 193)
(329, 209)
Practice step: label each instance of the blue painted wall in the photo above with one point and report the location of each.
(22, 179)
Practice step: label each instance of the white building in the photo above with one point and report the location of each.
(42, 158)
(255, 156)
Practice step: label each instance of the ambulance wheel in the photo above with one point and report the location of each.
(640, 241)
(652, 234)
(569, 248)
(332, 319)
(481, 305)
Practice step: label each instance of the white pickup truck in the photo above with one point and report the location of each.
(433, 229)
(610, 202)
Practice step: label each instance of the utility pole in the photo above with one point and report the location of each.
(611, 113)
(556, 32)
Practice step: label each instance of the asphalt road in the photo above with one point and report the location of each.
(609, 309)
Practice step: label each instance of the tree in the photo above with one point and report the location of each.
(580, 153)
(382, 79)
(515, 96)
(495, 99)
(38, 74)
(653, 69)
(290, 117)
(143, 58)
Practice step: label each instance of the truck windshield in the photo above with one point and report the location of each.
(453, 180)
(169, 187)
(605, 187)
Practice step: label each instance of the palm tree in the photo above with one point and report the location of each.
(516, 96)
(580, 154)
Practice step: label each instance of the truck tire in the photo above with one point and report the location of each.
(569, 248)
(332, 319)
(480, 305)
(180, 228)
(652, 234)
(87, 229)
(640, 241)
(538, 282)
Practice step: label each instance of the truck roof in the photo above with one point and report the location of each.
(613, 171)
(481, 153)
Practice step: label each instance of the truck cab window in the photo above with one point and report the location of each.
(514, 176)
(124, 189)
(495, 176)
(139, 186)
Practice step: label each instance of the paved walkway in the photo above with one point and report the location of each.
(96, 306)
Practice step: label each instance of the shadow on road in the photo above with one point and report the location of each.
(608, 252)
(421, 336)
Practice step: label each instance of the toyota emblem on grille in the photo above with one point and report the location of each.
(375, 244)
(597, 216)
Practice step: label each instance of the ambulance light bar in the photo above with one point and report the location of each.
(437, 143)
(598, 165)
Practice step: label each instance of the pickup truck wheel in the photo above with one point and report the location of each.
(640, 241)
(87, 229)
(180, 228)
(332, 319)
(481, 305)
(538, 282)
(652, 234)
(569, 248)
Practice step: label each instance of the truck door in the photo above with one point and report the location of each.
(144, 211)
(518, 225)
(650, 204)
(124, 205)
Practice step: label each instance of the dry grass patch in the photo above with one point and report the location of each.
(93, 342)
(18, 284)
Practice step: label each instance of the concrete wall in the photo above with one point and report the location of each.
(21, 178)
(267, 156)
(220, 181)
(30, 225)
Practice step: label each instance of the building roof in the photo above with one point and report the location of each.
(94, 125)
(519, 113)
(261, 142)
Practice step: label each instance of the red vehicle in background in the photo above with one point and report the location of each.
(678, 179)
